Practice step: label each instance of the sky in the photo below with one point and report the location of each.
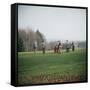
(54, 23)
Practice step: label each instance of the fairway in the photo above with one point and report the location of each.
(38, 68)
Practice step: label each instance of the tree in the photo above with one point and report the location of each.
(20, 44)
(39, 39)
(27, 37)
(31, 39)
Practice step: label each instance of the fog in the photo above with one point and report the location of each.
(54, 23)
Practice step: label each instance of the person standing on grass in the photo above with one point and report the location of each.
(43, 47)
(55, 49)
(59, 47)
(35, 46)
(67, 46)
(73, 46)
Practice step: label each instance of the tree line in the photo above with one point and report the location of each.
(26, 38)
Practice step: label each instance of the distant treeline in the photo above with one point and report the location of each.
(26, 38)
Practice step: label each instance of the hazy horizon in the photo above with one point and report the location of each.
(55, 23)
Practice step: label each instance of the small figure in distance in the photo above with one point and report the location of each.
(73, 46)
(55, 49)
(35, 46)
(43, 47)
(59, 47)
(67, 46)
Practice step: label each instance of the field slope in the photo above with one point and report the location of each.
(36, 68)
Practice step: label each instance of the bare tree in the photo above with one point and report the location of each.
(29, 36)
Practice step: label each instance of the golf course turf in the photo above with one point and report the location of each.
(38, 68)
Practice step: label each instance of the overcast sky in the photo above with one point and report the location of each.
(54, 23)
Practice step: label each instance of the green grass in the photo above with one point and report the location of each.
(37, 68)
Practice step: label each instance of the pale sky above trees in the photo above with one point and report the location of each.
(54, 23)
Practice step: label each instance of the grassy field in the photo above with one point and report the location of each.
(37, 68)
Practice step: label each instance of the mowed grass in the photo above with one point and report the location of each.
(38, 68)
